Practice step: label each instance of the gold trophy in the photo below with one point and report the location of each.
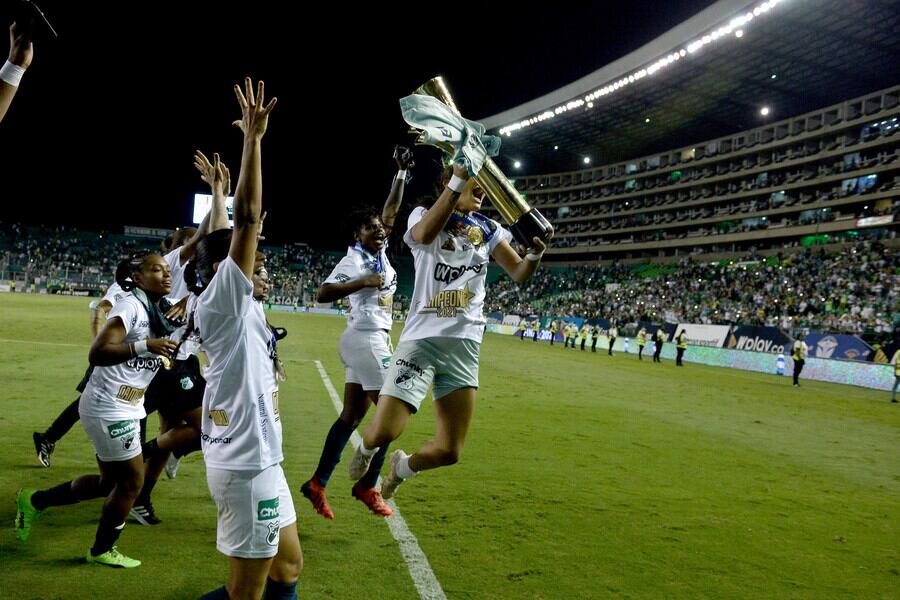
(524, 221)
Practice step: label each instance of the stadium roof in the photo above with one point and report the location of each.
(793, 56)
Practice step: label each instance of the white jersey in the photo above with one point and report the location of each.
(176, 270)
(449, 290)
(117, 391)
(370, 308)
(114, 293)
(191, 345)
(241, 427)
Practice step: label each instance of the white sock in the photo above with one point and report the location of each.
(368, 452)
(403, 468)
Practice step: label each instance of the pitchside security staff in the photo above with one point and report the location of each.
(641, 340)
(660, 338)
(896, 362)
(680, 347)
(798, 353)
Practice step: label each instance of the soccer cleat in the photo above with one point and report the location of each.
(113, 558)
(172, 466)
(144, 514)
(42, 448)
(359, 464)
(315, 493)
(372, 499)
(26, 514)
(390, 483)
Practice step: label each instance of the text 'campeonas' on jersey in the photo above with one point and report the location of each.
(117, 391)
(370, 308)
(449, 289)
(241, 427)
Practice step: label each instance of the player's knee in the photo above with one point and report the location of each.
(352, 417)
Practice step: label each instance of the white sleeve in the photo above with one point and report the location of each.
(229, 292)
(414, 217)
(128, 312)
(344, 271)
(502, 234)
(173, 259)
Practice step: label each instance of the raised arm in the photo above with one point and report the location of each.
(436, 217)
(404, 159)
(518, 268)
(21, 51)
(98, 317)
(248, 193)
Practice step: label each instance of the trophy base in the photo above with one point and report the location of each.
(531, 225)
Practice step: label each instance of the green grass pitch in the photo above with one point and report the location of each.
(584, 476)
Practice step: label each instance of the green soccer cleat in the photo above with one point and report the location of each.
(26, 514)
(113, 558)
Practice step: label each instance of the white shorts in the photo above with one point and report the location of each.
(366, 356)
(253, 507)
(115, 440)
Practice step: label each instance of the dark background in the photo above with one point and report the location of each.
(102, 131)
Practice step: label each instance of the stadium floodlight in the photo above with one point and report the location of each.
(736, 25)
(556, 147)
(517, 165)
(764, 111)
(774, 76)
(647, 120)
(587, 160)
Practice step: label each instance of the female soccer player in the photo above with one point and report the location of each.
(452, 245)
(241, 427)
(367, 277)
(111, 408)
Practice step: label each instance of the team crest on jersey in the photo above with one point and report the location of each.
(272, 536)
(404, 380)
(449, 246)
(386, 362)
(128, 441)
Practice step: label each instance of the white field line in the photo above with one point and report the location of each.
(423, 577)
(9, 341)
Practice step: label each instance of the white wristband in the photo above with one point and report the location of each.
(11, 74)
(401, 175)
(457, 184)
(534, 257)
(140, 347)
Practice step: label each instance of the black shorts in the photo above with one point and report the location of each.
(84, 380)
(177, 391)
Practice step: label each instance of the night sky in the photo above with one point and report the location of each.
(102, 131)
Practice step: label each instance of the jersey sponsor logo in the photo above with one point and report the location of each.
(448, 302)
(215, 440)
(275, 405)
(409, 364)
(267, 509)
(448, 273)
(121, 428)
(142, 363)
(386, 362)
(263, 418)
(219, 417)
(342, 278)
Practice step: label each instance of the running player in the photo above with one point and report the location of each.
(366, 276)
(111, 407)
(441, 341)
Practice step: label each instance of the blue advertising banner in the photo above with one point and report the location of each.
(759, 339)
(836, 345)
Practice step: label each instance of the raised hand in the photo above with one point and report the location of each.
(254, 116)
(215, 173)
(21, 50)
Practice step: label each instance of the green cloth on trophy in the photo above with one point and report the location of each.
(439, 124)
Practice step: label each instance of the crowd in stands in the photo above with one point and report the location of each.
(854, 291)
